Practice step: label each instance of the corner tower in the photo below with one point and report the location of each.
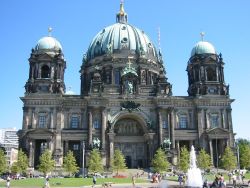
(206, 71)
(47, 66)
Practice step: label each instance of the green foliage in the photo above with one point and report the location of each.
(95, 161)
(228, 160)
(160, 162)
(244, 152)
(184, 159)
(3, 162)
(69, 163)
(204, 160)
(22, 161)
(118, 162)
(15, 168)
(46, 162)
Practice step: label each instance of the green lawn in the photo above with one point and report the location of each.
(67, 182)
(209, 177)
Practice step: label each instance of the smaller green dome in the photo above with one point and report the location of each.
(48, 43)
(203, 47)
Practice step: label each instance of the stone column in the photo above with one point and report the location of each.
(229, 119)
(66, 146)
(25, 118)
(160, 126)
(50, 144)
(33, 119)
(104, 125)
(66, 122)
(230, 127)
(90, 129)
(31, 153)
(225, 118)
(207, 119)
(150, 140)
(211, 151)
(172, 128)
(111, 146)
(178, 150)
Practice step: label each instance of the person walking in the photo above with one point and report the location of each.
(8, 182)
(47, 182)
(94, 180)
(133, 181)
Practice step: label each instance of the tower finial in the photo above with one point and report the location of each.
(202, 36)
(50, 31)
(121, 16)
(159, 38)
(121, 8)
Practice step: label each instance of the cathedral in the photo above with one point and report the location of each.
(125, 101)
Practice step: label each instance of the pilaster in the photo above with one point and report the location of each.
(104, 125)
(90, 127)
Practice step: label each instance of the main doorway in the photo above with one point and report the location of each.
(130, 141)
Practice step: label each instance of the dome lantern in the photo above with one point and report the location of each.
(121, 16)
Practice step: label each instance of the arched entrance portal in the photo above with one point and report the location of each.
(130, 140)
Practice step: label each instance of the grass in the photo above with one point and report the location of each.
(210, 177)
(67, 182)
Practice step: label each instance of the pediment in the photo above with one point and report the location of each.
(217, 133)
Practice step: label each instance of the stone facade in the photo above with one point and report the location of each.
(126, 103)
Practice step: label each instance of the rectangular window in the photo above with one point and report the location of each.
(96, 124)
(214, 120)
(117, 77)
(74, 122)
(75, 147)
(164, 124)
(183, 122)
(42, 120)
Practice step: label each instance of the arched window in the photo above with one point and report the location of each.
(45, 71)
(211, 74)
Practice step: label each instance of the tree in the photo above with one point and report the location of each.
(118, 162)
(46, 162)
(3, 162)
(228, 160)
(184, 159)
(204, 160)
(160, 162)
(95, 161)
(244, 152)
(22, 161)
(14, 168)
(69, 163)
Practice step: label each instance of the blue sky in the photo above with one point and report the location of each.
(75, 23)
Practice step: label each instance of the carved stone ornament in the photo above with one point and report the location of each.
(130, 106)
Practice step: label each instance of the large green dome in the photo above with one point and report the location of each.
(121, 38)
